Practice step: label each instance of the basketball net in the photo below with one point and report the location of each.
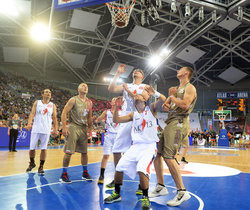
(120, 12)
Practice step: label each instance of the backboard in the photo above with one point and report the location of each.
(225, 115)
(63, 5)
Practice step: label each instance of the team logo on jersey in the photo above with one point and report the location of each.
(49, 105)
(140, 128)
(181, 90)
(141, 87)
(45, 111)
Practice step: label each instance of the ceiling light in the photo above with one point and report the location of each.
(155, 61)
(40, 32)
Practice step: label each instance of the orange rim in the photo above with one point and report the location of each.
(120, 7)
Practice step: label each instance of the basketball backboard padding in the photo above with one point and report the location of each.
(128, 68)
(142, 36)
(75, 60)
(16, 54)
(84, 20)
(63, 5)
(190, 54)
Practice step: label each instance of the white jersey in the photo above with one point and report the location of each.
(144, 127)
(43, 118)
(110, 126)
(128, 105)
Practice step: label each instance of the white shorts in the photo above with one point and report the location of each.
(138, 158)
(123, 138)
(44, 139)
(108, 144)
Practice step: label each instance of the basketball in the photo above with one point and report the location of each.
(121, 19)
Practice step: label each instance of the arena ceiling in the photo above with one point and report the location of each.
(216, 47)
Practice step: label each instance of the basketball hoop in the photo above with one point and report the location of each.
(120, 12)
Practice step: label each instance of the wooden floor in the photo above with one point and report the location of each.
(17, 162)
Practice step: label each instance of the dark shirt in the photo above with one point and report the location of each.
(14, 124)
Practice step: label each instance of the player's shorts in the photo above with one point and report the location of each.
(123, 138)
(77, 140)
(175, 133)
(138, 158)
(34, 138)
(109, 139)
(185, 142)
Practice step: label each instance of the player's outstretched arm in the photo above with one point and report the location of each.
(121, 119)
(102, 116)
(113, 87)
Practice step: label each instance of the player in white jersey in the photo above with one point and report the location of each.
(43, 111)
(140, 155)
(109, 137)
(123, 138)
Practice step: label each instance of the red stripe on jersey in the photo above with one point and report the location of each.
(143, 124)
(45, 111)
(135, 92)
(148, 168)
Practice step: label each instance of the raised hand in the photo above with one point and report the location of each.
(172, 91)
(118, 103)
(121, 69)
(150, 90)
(125, 86)
(166, 107)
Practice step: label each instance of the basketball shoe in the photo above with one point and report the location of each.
(139, 190)
(31, 166)
(158, 191)
(100, 180)
(115, 197)
(64, 178)
(145, 203)
(86, 176)
(184, 160)
(40, 170)
(182, 195)
(111, 185)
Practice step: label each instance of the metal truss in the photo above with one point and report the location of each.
(185, 31)
(240, 39)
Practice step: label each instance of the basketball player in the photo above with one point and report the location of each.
(179, 105)
(123, 138)
(43, 112)
(79, 109)
(109, 137)
(139, 157)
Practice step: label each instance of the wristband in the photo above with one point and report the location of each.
(156, 94)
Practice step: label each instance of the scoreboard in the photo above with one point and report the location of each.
(235, 101)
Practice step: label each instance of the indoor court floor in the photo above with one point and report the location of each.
(216, 177)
